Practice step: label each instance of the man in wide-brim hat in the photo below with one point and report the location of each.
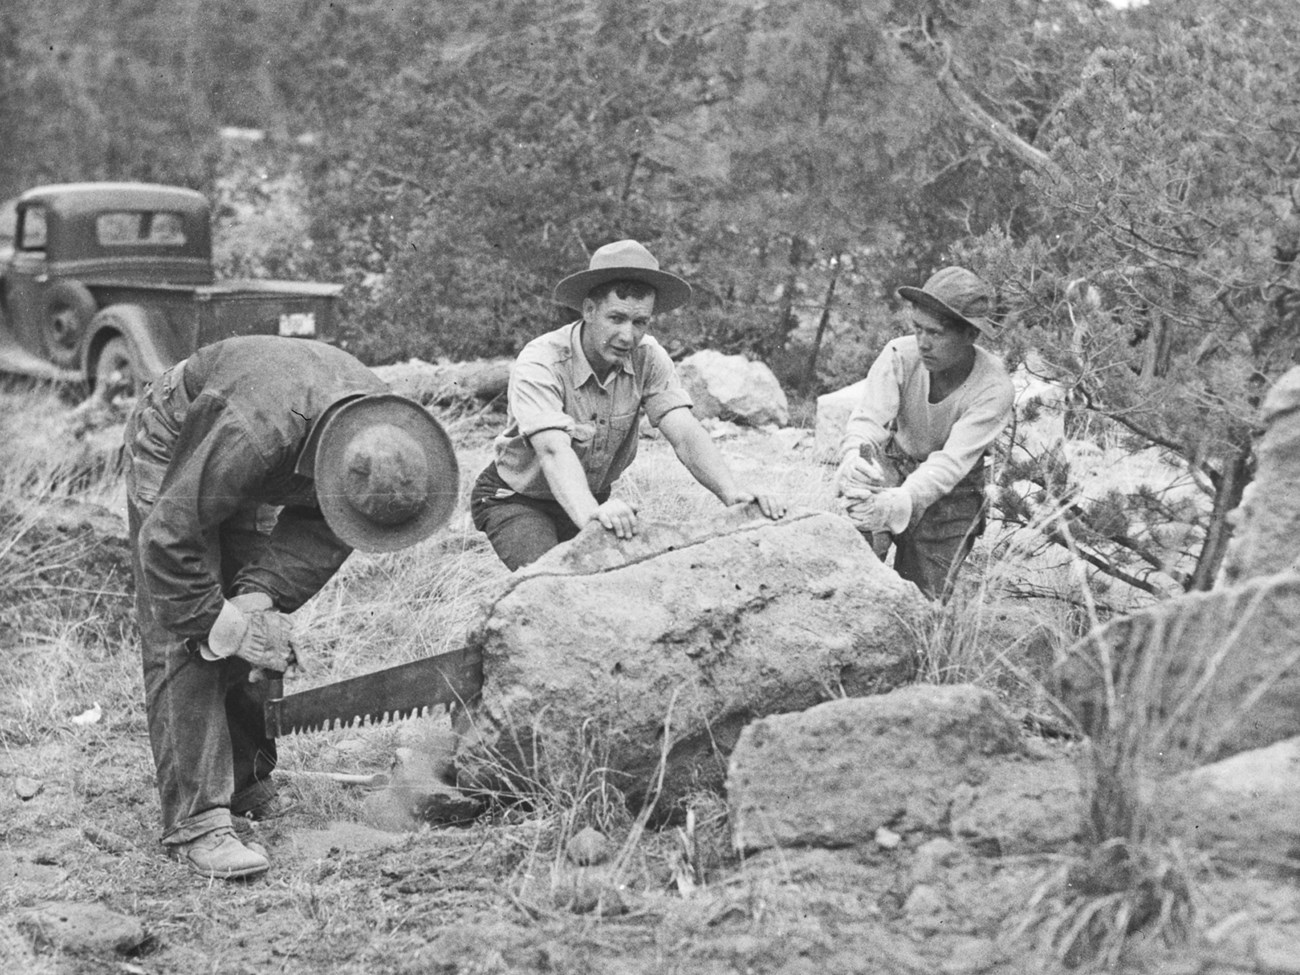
(912, 457)
(576, 398)
(253, 469)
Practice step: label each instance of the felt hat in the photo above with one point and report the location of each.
(954, 292)
(624, 260)
(385, 472)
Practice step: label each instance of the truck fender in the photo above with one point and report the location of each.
(141, 328)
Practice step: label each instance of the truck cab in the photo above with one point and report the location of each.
(111, 283)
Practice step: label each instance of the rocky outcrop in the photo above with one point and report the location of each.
(925, 759)
(1267, 535)
(731, 387)
(618, 655)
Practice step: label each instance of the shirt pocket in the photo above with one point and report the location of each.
(584, 439)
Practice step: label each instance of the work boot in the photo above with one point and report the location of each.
(220, 855)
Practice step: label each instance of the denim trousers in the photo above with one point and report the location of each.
(206, 728)
(521, 528)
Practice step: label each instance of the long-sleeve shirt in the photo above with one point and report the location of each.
(948, 437)
(223, 446)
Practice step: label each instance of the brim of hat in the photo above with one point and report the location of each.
(670, 290)
(329, 472)
(926, 300)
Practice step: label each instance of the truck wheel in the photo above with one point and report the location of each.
(117, 374)
(69, 307)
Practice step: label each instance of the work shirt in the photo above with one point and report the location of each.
(214, 442)
(947, 438)
(553, 387)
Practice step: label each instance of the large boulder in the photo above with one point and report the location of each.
(445, 383)
(837, 773)
(617, 654)
(1208, 674)
(833, 411)
(731, 387)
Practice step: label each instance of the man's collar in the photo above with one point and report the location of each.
(582, 371)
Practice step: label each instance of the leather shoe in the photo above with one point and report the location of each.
(220, 855)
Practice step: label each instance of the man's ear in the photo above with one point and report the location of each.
(588, 309)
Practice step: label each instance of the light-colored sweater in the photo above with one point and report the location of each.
(948, 437)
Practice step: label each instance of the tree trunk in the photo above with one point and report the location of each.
(810, 370)
(1227, 496)
(785, 311)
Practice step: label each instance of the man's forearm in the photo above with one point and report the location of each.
(700, 455)
(568, 483)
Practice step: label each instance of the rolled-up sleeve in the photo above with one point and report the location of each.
(536, 396)
(662, 389)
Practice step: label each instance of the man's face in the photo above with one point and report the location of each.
(942, 346)
(612, 328)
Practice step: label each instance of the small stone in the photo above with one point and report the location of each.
(25, 788)
(82, 928)
(106, 841)
(887, 839)
(587, 847)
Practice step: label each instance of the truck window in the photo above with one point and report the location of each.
(122, 227)
(33, 232)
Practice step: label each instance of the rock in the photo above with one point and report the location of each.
(833, 411)
(1225, 662)
(834, 774)
(25, 788)
(716, 623)
(81, 928)
(971, 955)
(587, 847)
(1241, 810)
(1021, 806)
(107, 841)
(732, 387)
(887, 839)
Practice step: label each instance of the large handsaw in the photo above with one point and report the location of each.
(390, 694)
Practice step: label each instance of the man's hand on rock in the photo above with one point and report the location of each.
(618, 516)
(772, 505)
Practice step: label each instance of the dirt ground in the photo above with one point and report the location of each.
(79, 826)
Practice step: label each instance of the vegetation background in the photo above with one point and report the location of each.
(1127, 178)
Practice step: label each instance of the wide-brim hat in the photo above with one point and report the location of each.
(954, 292)
(385, 471)
(624, 260)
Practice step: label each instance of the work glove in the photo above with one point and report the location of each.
(247, 627)
(881, 510)
(858, 475)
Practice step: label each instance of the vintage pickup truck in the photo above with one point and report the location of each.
(109, 284)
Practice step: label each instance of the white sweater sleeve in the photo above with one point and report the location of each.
(881, 397)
